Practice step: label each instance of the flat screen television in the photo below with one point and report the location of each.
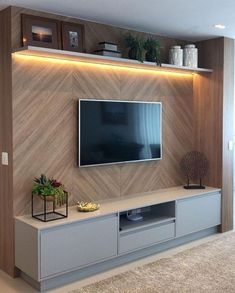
(111, 132)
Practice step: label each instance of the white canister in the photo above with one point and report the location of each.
(176, 56)
(190, 56)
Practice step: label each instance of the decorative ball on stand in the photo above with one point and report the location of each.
(194, 165)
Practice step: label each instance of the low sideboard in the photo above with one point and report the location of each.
(54, 253)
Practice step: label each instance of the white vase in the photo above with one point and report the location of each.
(190, 56)
(176, 56)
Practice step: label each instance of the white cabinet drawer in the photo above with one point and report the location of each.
(146, 237)
(197, 213)
(76, 245)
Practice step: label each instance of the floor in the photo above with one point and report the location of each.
(9, 285)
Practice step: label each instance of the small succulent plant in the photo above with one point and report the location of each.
(50, 187)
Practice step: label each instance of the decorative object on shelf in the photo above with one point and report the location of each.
(152, 46)
(52, 193)
(108, 49)
(107, 46)
(87, 206)
(108, 53)
(176, 56)
(190, 56)
(40, 31)
(194, 166)
(134, 215)
(73, 37)
(136, 47)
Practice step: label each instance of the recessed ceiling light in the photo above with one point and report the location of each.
(220, 26)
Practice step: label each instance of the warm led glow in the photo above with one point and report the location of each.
(93, 64)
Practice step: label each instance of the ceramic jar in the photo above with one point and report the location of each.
(190, 56)
(176, 56)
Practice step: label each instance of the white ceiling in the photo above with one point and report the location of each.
(185, 19)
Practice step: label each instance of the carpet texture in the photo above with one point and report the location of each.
(208, 268)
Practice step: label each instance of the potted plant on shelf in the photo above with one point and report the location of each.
(50, 190)
(152, 46)
(136, 47)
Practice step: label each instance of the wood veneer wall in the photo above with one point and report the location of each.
(45, 96)
(208, 107)
(6, 173)
(214, 112)
(228, 132)
(45, 128)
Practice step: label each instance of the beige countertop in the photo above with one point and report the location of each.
(121, 204)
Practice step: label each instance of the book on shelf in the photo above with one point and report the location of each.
(107, 46)
(109, 53)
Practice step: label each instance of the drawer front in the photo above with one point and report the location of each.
(146, 237)
(197, 213)
(77, 245)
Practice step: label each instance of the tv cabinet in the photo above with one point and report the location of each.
(51, 254)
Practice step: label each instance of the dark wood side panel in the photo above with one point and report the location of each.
(208, 107)
(6, 172)
(228, 122)
(213, 105)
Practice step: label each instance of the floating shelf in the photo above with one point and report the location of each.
(97, 59)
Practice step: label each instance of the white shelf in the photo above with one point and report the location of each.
(97, 59)
(186, 68)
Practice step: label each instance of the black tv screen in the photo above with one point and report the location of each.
(118, 131)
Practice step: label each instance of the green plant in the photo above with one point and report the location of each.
(152, 46)
(136, 47)
(50, 188)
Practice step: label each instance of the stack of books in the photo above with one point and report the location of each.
(108, 49)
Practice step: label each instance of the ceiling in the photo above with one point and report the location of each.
(184, 19)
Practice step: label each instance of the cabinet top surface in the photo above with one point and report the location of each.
(121, 204)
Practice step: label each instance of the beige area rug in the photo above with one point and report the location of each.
(208, 268)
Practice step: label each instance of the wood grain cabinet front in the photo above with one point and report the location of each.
(72, 246)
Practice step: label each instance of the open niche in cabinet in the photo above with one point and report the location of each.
(157, 225)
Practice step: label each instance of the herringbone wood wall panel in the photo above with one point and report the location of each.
(45, 96)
